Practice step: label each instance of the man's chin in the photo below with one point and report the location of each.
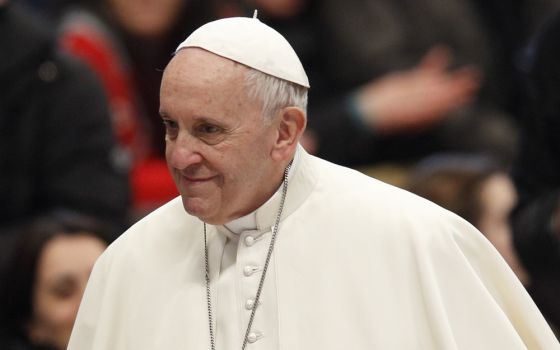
(197, 207)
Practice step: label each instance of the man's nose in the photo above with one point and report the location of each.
(183, 152)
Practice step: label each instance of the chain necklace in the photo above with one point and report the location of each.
(261, 282)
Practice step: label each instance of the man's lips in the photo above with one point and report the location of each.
(190, 179)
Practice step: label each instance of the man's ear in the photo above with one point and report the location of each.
(291, 124)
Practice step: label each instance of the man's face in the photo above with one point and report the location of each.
(218, 147)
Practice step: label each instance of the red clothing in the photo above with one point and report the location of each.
(88, 38)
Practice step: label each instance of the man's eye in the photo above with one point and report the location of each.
(171, 128)
(169, 124)
(209, 133)
(208, 129)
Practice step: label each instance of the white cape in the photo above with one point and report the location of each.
(358, 264)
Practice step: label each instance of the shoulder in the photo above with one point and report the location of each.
(349, 185)
(355, 199)
(168, 229)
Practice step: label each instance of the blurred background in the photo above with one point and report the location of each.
(457, 101)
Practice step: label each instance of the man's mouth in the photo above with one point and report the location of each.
(194, 180)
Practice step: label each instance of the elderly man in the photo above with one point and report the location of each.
(279, 249)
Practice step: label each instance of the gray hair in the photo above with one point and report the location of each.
(274, 93)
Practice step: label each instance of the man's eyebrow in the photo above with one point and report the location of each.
(207, 119)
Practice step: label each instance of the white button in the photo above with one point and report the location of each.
(252, 337)
(249, 270)
(249, 241)
(249, 304)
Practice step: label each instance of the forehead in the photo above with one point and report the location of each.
(197, 66)
(195, 74)
(69, 253)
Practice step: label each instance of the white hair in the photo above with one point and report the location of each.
(274, 93)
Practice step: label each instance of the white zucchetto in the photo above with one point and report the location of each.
(252, 43)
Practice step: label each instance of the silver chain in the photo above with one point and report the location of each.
(263, 275)
(208, 296)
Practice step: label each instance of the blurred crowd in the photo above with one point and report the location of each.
(460, 99)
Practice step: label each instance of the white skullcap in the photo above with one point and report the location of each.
(252, 43)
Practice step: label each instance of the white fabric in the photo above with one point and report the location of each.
(358, 264)
(250, 42)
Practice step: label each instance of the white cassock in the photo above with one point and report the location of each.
(358, 264)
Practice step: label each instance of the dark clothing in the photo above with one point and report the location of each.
(364, 40)
(56, 141)
(537, 176)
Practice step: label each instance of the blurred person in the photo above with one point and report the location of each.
(57, 148)
(475, 188)
(127, 43)
(536, 172)
(45, 279)
(269, 247)
(415, 75)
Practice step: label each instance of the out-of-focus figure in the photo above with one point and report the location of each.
(416, 75)
(57, 148)
(127, 43)
(44, 281)
(536, 221)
